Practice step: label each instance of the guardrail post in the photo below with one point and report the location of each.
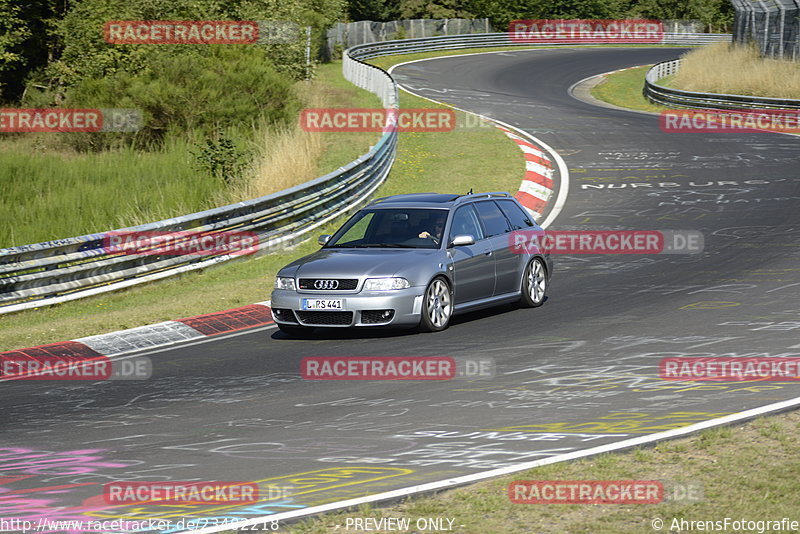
(67, 269)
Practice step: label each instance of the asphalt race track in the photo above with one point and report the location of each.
(579, 372)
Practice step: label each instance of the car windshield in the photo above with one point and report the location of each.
(392, 228)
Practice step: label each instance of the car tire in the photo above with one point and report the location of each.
(534, 284)
(294, 331)
(437, 306)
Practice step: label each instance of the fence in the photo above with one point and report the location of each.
(57, 271)
(350, 34)
(773, 25)
(66, 269)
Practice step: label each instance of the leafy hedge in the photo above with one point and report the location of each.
(715, 14)
(201, 90)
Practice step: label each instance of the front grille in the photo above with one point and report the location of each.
(342, 284)
(376, 316)
(283, 314)
(325, 318)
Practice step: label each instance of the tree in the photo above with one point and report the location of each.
(585, 9)
(436, 9)
(26, 42)
(375, 10)
(13, 32)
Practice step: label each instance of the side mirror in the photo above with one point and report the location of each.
(462, 240)
(323, 239)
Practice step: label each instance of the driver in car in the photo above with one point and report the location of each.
(438, 228)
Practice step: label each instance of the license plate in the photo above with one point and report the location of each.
(322, 304)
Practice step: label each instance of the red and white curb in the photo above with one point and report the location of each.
(536, 188)
(155, 335)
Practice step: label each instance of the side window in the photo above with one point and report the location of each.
(493, 219)
(465, 222)
(520, 220)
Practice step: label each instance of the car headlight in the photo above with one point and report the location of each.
(385, 284)
(285, 282)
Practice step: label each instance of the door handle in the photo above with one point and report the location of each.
(489, 253)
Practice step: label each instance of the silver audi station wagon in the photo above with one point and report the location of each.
(414, 260)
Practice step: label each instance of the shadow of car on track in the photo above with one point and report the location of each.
(372, 332)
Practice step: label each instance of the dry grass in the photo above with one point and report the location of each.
(290, 156)
(286, 156)
(723, 68)
(482, 158)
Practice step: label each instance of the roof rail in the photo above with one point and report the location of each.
(407, 195)
(473, 196)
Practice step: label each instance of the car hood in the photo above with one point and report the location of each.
(354, 263)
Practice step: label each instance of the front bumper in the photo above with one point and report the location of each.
(406, 305)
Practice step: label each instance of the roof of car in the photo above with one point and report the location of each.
(433, 200)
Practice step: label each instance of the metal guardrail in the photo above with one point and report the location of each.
(488, 40)
(667, 96)
(66, 269)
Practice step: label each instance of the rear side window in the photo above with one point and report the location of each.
(465, 222)
(494, 222)
(519, 219)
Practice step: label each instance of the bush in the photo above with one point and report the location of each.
(221, 159)
(232, 86)
(202, 89)
(87, 55)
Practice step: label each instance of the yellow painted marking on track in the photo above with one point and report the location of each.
(620, 423)
(301, 483)
(710, 305)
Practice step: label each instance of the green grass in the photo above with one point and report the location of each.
(446, 162)
(236, 284)
(751, 473)
(51, 195)
(342, 148)
(624, 88)
(483, 159)
(455, 161)
(49, 192)
(205, 291)
(667, 81)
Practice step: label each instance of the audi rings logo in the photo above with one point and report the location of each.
(326, 284)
